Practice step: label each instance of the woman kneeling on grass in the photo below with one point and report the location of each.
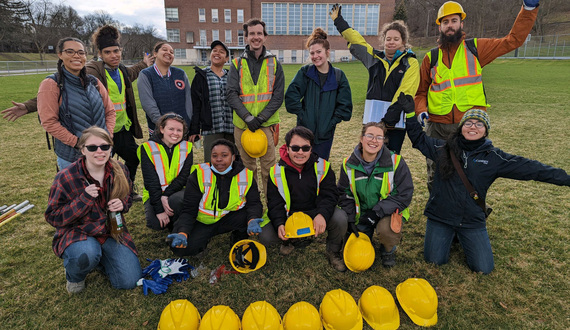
(450, 209)
(79, 200)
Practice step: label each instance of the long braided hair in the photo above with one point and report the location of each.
(82, 73)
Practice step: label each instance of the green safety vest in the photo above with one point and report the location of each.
(119, 102)
(166, 171)
(255, 97)
(385, 190)
(461, 85)
(208, 211)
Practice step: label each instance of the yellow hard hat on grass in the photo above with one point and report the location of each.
(179, 315)
(419, 300)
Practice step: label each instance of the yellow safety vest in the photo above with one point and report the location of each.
(255, 97)
(385, 190)
(119, 102)
(462, 84)
(208, 211)
(166, 171)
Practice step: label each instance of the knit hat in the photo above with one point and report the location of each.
(477, 114)
(107, 36)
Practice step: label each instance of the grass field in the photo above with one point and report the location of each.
(529, 228)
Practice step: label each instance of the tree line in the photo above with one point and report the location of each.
(37, 25)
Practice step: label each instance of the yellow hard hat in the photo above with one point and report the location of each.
(254, 143)
(379, 308)
(247, 255)
(339, 311)
(302, 316)
(220, 317)
(419, 300)
(179, 315)
(261, 315)
(299, 225)
(358, 253)
(449, 8)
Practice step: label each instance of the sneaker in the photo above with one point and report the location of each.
(388, 259)
(286, 249)
(335, 260)
(75, 287)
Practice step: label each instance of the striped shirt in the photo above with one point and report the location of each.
(222, 115)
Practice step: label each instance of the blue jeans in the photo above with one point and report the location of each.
(119, 263)
(62, 163)
(475, 242)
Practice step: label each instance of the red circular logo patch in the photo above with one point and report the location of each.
(179, 84)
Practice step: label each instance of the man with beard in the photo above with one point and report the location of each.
(450, 75)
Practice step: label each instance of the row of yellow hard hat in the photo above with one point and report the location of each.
(338, 311)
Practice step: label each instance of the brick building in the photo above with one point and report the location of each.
(192, 25)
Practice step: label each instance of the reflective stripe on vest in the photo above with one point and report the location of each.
(119, 100)
(461, 85)
(208, 211)
(278, 178)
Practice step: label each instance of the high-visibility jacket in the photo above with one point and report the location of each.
(256, 96)
(119, 100)
(385, 190)
(208, 211)
(462, 84)
(167, 171)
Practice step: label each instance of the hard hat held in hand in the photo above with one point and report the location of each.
(358, 253)
(379, 308)
(449, 8)
(419, 300)
(261, 315)
(247, 256)
(220, 317)
(254, 143)
(299, 225)
(179, 315)
(302, 316)
(339, 311)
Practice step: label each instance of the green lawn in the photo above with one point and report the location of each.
(529, 228)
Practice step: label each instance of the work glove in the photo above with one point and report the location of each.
(353, 229)
(170, 267)
(406, 103)
(530, 4)
(157, 287)
(253, 227)
(254, 124)
(152, 268)
(335, 11)
(422, 118)
(393, 114)
(370, 218)
(178, 240)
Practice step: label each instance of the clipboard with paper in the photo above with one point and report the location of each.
(375, 110)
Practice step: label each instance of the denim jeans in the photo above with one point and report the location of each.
(119, 263)
(62, 163)
(475, 242)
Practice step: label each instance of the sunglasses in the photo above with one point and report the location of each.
(305, 148)
(93, 148)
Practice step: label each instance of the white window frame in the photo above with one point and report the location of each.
(203, 38)
(190, 37)
(179, 53)
(215, 15)
(215, 35)
(227, 15)
(240, 17)
(171, 14)
(228, 39)
(201, 15)
(173, 35)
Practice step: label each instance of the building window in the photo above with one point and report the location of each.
(228, 36)
(308, 17)
(173, 35)
(332, 55)
(267, 12)
(322, 16)
(280, 56)
(215, 35)
(201, 14)
(203, 55)
(203, 38)
(360, 19)
(280, 18)
(214, 15)
(179, 53)
(293, 56)
(227, 15)
(240, 38)
(372, 19)
(240, 15)
(190, 37)
(294, 19)
(171, 14)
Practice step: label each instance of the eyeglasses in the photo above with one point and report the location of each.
(477, 124)
(305, 148)
(371, 137)
(71, 52)
(93, 148)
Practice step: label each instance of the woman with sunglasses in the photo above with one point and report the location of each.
(80, 199)
(451, 210)
(70, 101)
(376, 189)
(164, 88)
(166, 160)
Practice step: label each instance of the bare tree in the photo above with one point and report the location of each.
(137, 40)
(11, 23)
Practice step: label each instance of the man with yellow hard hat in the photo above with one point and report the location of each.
(450, 74)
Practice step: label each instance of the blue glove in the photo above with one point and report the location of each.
(530, 4)
(180, 277)
(422, 118)
(156, 287)
(178, 240)
(172, 266)
(152, 268)
(253, 227)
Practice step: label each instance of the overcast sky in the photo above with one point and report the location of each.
(128, 12)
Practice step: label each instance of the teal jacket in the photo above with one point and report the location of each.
(319, 108)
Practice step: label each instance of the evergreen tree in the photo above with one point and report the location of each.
(401, 13)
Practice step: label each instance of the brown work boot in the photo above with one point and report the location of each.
(335, 260)
(286, 248)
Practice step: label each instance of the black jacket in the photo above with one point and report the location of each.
(449, 201)
(201, 112)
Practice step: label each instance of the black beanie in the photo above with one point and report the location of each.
(107, 36)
